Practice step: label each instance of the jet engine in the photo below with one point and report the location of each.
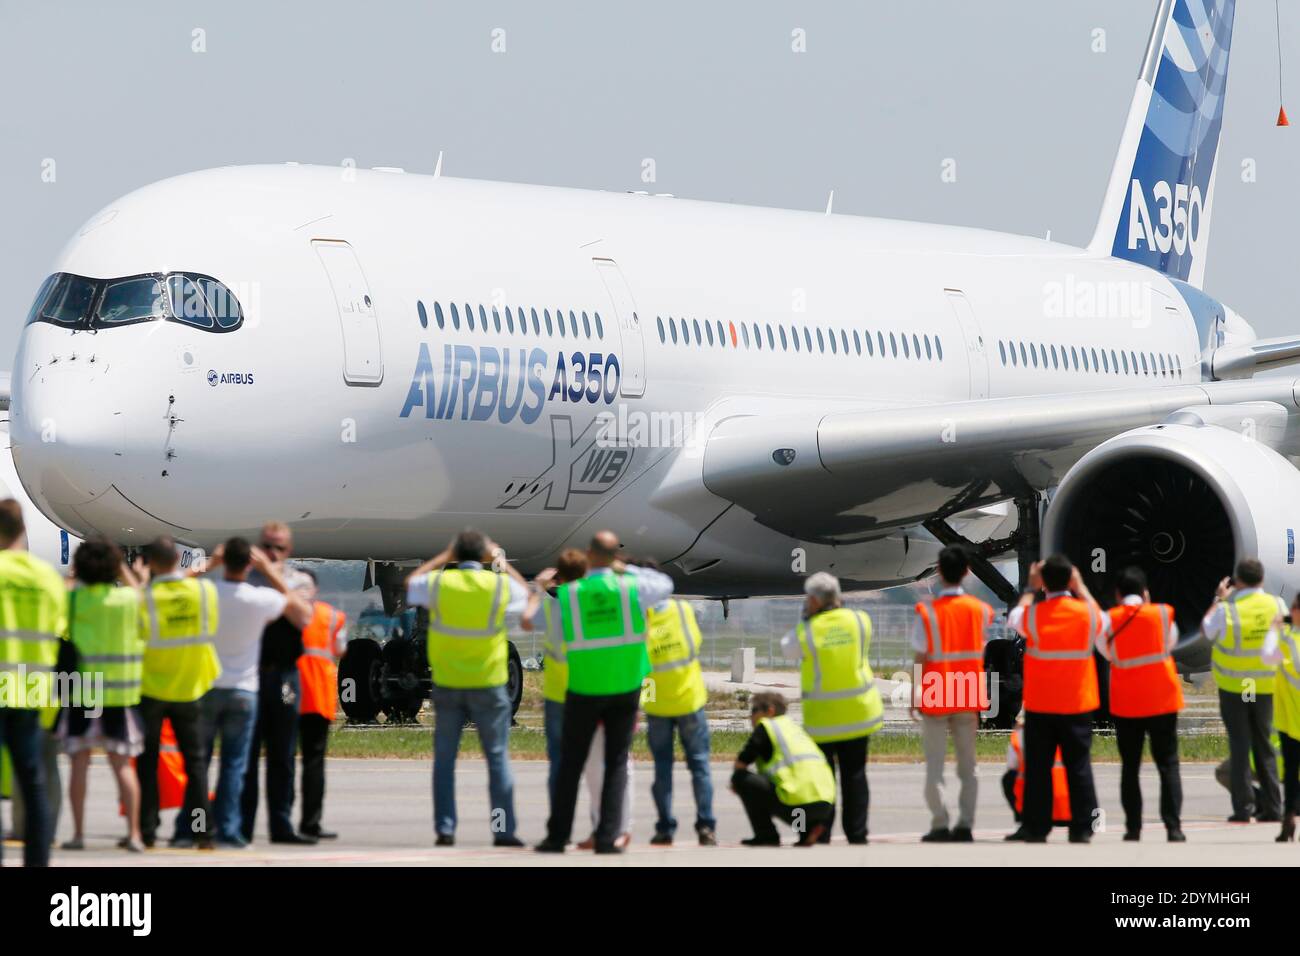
(1183, 500)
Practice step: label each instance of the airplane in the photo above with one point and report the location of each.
(747, 394)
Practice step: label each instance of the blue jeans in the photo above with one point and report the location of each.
(20, 732)
(694, 732)
(554, 718)
(489, 709)
(231, 713)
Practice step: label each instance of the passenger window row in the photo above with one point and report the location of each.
(509, 319)
(1088, 359)
(800, 338)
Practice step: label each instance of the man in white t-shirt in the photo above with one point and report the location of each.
(230, 707)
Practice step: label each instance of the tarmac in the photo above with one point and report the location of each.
(383, 812)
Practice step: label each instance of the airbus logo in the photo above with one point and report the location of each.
(216, 378)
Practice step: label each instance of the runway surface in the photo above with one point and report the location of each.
(383, 811)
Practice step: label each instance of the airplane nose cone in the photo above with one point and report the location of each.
(68, 436)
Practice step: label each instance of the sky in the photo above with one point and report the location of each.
(110, 97)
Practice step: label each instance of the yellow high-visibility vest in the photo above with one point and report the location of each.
(33, 620)
(840, 697)
(673, 641)
(798, 769)
(555, 675)
(179, 620)
(1286, 687)
(1237, 657)
(467, 628)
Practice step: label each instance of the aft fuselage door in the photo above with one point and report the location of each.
(976, 356)
(632, 359)
(363, 359)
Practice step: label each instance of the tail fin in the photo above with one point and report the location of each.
(1157, 206)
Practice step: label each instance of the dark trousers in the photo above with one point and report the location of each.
(582, 714)
(1009, 791)
(277, 729)
(313, 734)
(848, 760)
(21, 735)
(762, 806)
(1130, 734)
(1249, 724)
(1073, 734)
(187, 725)
(1290, 773)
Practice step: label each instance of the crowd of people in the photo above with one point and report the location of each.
(240, 649)
(152, 665)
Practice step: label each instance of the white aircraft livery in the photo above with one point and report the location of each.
(382, 358)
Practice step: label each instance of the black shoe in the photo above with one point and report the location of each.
(294, 839)
(319, 834)
(661, 839)
(546, 846)
(1239, 818)
(608, 848)
(814, 836)
(1018, 837)
(962, 835)
(511, 841)
(854, 841)
(1269, 818)
(1132, 836)
(937, 836)
(1081, 837)
(761, 841)
(445, 839)
(1035, 838)
(181, 843)
(705, 835)
(1177, 836)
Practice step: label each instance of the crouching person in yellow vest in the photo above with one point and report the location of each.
(604, 630)
(841, 703)
(33, 620)
(468, 656)
(674, 699)
(794, 782)
(1240, 627)
(178, 617)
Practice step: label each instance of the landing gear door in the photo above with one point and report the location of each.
(632, 358)
(976, 356)
(363, 359)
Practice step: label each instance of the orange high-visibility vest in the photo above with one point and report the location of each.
(952, 677)
(1060, 785)
(1060, 674)
(317, 670)
(1143, 679)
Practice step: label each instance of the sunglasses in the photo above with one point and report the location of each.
(268, 546)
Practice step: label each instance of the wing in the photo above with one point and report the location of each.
(848, 475)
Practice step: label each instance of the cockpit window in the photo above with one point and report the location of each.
(130, 300)
(70, 300)
(191, 298)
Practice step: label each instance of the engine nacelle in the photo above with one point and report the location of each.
(1184, 502)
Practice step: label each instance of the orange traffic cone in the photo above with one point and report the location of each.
(1281, 117)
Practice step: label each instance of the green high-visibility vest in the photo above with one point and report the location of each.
(604, 634)
(1237, 657)
(798, 769)
(467, 628)
(555, 675)
(33, 620)
(179, 620)
(676, 686)
(105, 627)
(839, 693)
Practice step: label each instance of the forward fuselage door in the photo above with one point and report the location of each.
(363, 359)
(632, 359)
(976, 355)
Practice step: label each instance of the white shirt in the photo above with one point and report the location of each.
(1103, 643)
(244, 610)
(417, 592)
(919, 640)
(1215, 625)
(653, 587)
